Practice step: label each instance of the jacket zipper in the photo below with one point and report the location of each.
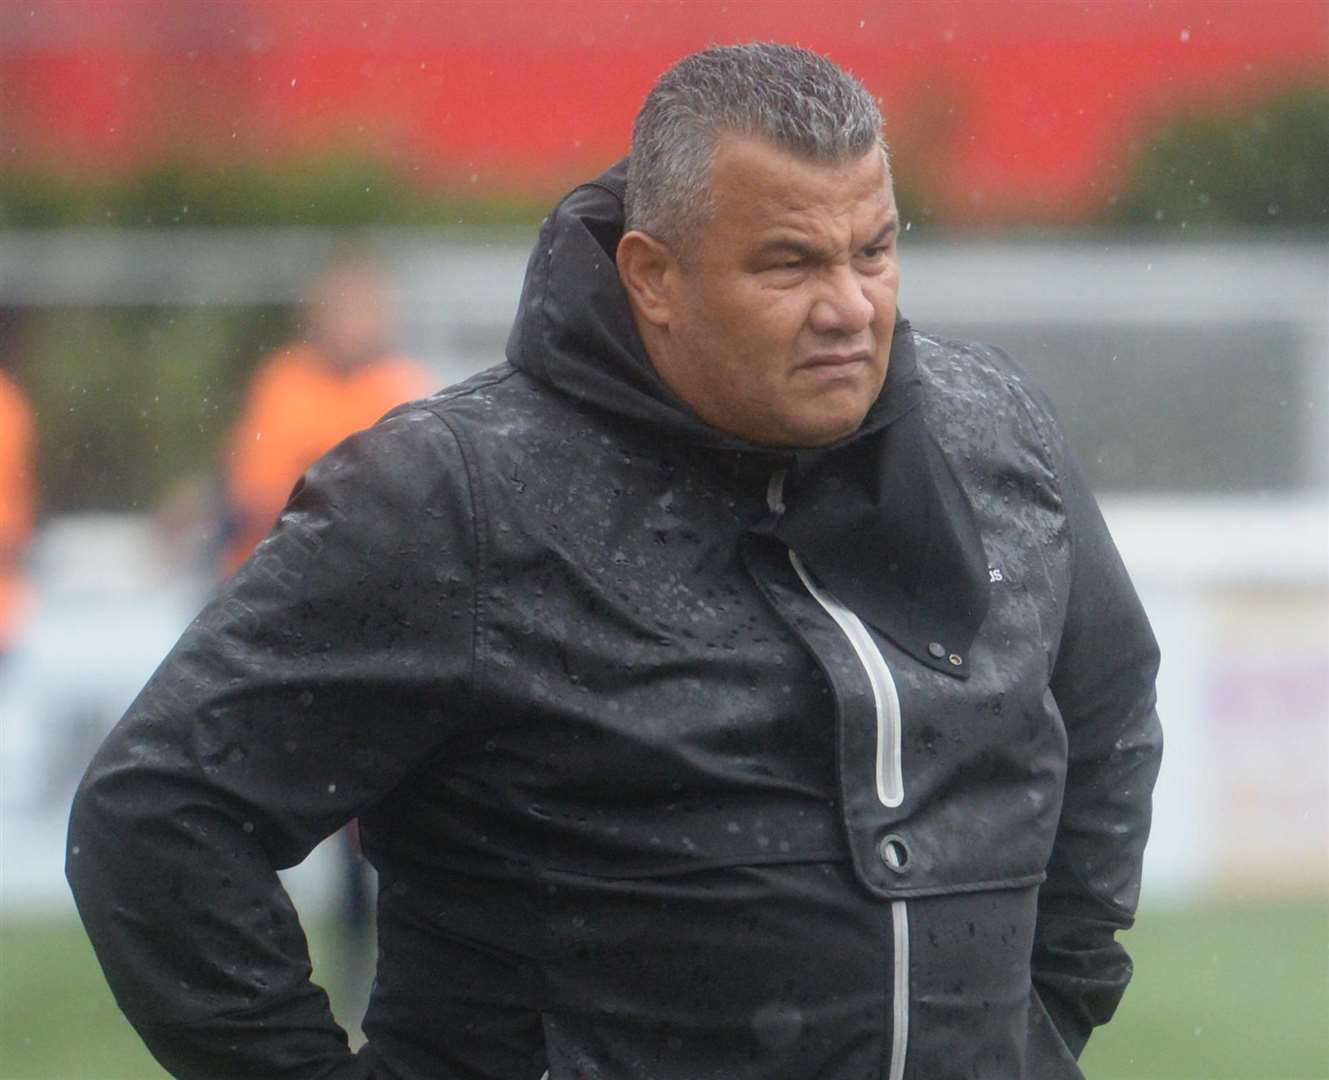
(889, 771)
(890, 777)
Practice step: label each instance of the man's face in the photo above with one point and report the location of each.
(350, 315)
(781, 317)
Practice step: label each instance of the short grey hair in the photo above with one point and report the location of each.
(794, 99)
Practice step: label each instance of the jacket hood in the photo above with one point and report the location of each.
(879, 516)
(574, 328)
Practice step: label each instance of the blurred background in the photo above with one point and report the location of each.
(231, 232)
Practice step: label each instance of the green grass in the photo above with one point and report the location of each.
(58, 1020)
(1221, 993)
(1232, 993)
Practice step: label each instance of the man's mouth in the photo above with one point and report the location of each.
(831, 363)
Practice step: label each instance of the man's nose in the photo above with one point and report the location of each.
(843, 305)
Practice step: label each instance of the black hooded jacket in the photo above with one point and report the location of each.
(678, 758)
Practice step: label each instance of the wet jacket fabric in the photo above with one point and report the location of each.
(678, 758)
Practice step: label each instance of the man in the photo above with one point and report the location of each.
(736, 683)
(17, 438)
(311, 394)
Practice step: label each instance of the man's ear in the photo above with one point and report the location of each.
(649, 273)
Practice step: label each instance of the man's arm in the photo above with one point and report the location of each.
(268, 448)
(334, 663)
(1103, 683)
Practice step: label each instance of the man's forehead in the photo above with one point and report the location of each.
(763, 198)
(867, 210)
(755, 179)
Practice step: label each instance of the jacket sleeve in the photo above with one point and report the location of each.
(333, 665)
(1103, 684)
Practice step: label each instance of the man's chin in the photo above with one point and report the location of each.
(825, 431)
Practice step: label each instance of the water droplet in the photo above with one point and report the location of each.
(777, 1026)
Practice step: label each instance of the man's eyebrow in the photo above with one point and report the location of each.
(780, 244)
(886, 231)
(805, 250)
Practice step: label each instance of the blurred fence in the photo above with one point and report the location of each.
(1193, 380)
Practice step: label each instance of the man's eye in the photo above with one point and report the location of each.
(876, 251)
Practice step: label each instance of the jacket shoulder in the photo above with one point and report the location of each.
(975, 387)
(496, 398)
(952, 366)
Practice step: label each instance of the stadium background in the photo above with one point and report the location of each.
(1176, 151)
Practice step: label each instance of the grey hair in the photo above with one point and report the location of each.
(792, 98)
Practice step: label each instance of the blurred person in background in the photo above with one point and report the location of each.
(340, 377)
(735, 683)
(17, 482)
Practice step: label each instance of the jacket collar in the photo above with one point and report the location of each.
(880, 517)
(887, 527)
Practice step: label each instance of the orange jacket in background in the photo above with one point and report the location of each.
(299, 407)
(16, 503)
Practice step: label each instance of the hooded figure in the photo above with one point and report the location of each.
(735, 683)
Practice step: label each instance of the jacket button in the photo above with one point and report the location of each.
(937, 649)
(894, 853)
